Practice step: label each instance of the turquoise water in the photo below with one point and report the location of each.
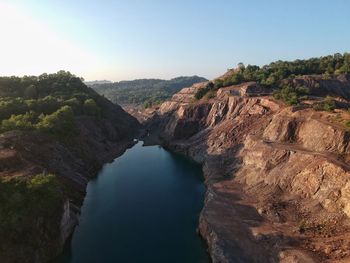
(142, 208)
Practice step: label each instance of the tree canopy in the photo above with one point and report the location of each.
(273, 75)
(48, 103)
(146, 92)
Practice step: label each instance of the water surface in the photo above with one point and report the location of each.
(142, 208)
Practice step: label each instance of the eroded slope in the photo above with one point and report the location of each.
(277, 176)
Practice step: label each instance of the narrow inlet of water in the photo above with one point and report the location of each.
(141, 208)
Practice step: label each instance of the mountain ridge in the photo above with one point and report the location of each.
(146, 92)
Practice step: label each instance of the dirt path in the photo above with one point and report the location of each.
(334, 158)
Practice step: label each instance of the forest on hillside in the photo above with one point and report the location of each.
(146, 92)
(47, 103)
(278, 75)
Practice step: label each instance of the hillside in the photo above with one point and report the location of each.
(275, 156)
(146, 92)
(55, 135)
(96, 82)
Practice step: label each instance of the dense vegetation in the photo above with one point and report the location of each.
(26, 205)
(274, 74)
(47, 103)
(146, 92)
(271, 75)
(291, 95)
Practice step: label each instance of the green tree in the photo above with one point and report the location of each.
(236, 78)
(287, 94)
(218, 83)
(241, 66)
(19, 122)
(61, 122)
(30, 92)
(90, 107)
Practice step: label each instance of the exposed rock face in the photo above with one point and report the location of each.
(248, 89)
(278, 179)
(68, 221)
(337, 85)
(25, 154)
(183, 97)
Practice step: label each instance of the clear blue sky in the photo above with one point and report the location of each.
(127, 39)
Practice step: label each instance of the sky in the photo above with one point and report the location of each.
(131, 39)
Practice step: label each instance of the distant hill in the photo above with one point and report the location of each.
(146, 92)
(94, 82)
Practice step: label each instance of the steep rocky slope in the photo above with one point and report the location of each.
(43, 177)
(277, 175)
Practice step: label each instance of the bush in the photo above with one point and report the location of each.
(302, 90)
(326, 76)
(29, 205)
(147, 104)
(347, 123)
(218, 83)
(237, 78)
(291, 96)
(90, 107)
(75, 104)
(210, 94)
(201, 92)
(328, 104)
(61, 122)
(287, 94)
(18, 122)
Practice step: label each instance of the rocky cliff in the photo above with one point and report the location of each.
(277, 175)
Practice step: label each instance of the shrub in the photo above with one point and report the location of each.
(218, 83)
(347, 123)
(326, 76)
(18, 122)
(210, 94)
(61, 122)
(28, 205)
(201, 92)
(328, 104)
(287, 94)
(90, 107)
(147, 104)
(237, 78)
(302, 90)
(291, 96)
(75, 104)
